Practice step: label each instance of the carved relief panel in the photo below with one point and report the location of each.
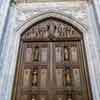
(27, 78)
(28, 55)
(36, 53)
(59, 77)
(76, 79)
(35, 76)
(43, 78)
(51, 29)
(58, 52)
(74, 54)
(66, 53)
(44, 55)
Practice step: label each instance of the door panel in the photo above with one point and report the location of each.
(69, 75)
(43, 77)
(51, 71)
(59, 78)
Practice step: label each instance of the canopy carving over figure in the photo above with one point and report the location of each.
(51, 29)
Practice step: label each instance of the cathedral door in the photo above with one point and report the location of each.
(51, 69)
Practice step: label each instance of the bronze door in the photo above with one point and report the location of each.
(51, 71)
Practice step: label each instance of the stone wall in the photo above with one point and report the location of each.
(78, 10)
(4, 8)
(21, 14)
(7, 56)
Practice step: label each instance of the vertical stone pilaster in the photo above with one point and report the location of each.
(95, 51)
(7, 59)
(4, 8)
(96, 4)
(96, 11)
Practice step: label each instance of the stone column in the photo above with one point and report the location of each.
(96, 5)
(4, 7)
(93, 18)
(96, 9)
(7, 58)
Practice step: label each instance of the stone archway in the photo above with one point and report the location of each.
(56, 16)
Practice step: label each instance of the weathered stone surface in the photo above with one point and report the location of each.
(78, 10)
(4, 6)
(26, 14)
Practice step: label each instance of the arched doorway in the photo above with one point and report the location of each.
(51, 63)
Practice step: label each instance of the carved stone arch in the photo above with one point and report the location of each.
(54, 14)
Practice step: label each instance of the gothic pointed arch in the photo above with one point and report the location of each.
(60, 16)
(51, 62)
(51, 29)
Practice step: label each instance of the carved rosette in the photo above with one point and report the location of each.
(51, 29)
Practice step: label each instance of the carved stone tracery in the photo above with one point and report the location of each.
(51, 29)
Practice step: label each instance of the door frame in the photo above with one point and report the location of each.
(61, 16)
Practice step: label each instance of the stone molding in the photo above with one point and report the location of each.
(4, 9)
(76, 9)
(48, 14)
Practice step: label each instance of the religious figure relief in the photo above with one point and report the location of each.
(42, 31)
(28, 55)
(57, 28)
(33, 98)
(67, 77)
(36, 54)
(76, 79)
(36, 32)
(60, 97)
(58, 54)
(74, 55)
(59, 77)
(27, 78)
(66, 54)
(44, 54)
(66, 31)
(35, 78)
(52, 28)
(60, 29)
(28, 34)
(71, 33)
(43, 78)
(69, 97)
(43, 97)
